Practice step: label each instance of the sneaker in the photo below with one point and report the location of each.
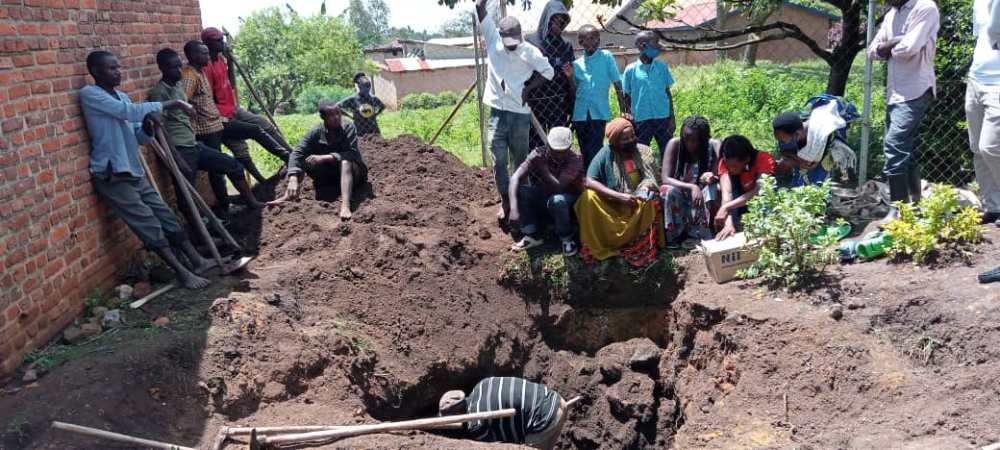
(990, 276)
(526, 243)
(569, 247)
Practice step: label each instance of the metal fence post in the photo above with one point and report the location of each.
(866, 126)
(479, 89)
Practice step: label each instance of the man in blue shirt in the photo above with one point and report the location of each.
(117, 172)
(592, 76)
(647, 85)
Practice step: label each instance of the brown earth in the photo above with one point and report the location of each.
(351, 322)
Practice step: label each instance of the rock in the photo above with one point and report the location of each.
(72, 335)
(633, 398)
(613, 358)
(98, 312)
(161, 321)
(645, 357)
(837, 312)
(484, 234)
(112, 319)
(30, 376)
(90, 329)
(141, 289)
(855, 305)
(273, 391)
(124, 292)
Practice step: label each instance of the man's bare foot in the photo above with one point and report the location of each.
(204, 266)
(255, 205)
(192, 281)
(345, 213)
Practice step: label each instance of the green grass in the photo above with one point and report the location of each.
(735, 99)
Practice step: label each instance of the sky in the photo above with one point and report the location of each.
(419, 14)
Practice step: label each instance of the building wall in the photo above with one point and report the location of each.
(57, 241)
(391, 87)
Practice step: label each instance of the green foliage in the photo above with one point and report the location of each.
(369, 19)
(783, 221)
(283, 52)
(429, 101)
(918, 234)
(307, 102)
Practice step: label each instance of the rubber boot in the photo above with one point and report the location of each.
(914, 183)
(249, 165)
(990, 276)
(899, 191)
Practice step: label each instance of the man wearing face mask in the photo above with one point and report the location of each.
(907, 40)
(647, 85)
(510, 64)
(363, 106)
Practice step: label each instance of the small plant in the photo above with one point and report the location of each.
(788, 224)
(18, 428)
(918, 234)
(93, 300)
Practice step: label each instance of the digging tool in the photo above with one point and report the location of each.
(250, 86)
(538, 126)
(358, 430)
(168, 160)
(454, 111)
(239, 264)
(117, 437)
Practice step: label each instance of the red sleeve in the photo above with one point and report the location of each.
(722, 167)
(764, 164)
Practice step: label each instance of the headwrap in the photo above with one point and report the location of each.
(210, 33)
(614, 129)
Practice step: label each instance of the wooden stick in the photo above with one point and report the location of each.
(251, 88)
(220, 438)
(142, 301)
(116, 436)
(382, 427)
(168, 159)
(538, 127)
(454, 111)
(149, 173)
(995, 446)
(244, 431)
(573, 400)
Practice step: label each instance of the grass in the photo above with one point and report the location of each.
(735, 99)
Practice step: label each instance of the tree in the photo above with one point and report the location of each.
(370, 19)
(459, 26)
(283, 52)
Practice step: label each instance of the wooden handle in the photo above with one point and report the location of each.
(116, 436)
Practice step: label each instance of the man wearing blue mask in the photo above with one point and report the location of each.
(363, 106)
(790, 132)
(647, 83)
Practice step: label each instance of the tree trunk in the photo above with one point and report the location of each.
(852, 43)
(720, 24)
(750, 53)
(840, 73)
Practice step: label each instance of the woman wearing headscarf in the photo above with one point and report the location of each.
(552, 100)
(619, 209)
(690, 188)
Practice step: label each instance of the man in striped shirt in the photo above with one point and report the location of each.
(541, 412)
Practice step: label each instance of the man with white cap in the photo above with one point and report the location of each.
(511, 62)
(554, 179)
(541, 412)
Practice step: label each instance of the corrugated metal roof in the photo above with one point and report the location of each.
(419, 64)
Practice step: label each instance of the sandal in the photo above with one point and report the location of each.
(526, 243)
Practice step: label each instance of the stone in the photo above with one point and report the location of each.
(633, 397)
(30, 376)
(98, 312)
(645, 357)
(484, 234)
(124, 292)
(141, 289)
(837, 312)
(72, 335)
(90, 329)
(112, 319)
(273, 391)
(161, 321)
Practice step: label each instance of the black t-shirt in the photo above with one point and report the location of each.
(364, 109)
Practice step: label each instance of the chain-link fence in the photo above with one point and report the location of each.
(739, 64)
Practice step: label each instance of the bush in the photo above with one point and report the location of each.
(308, 100)
(940, 220)
(785, 223)
(424, 100)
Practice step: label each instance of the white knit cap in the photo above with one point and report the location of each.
(560, 139)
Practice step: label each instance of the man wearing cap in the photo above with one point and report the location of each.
(541, 412)
(511, 62)
(554, 181)
(363, 106)
(790, 132)
(221, 75)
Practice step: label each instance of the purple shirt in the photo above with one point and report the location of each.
(911, 67)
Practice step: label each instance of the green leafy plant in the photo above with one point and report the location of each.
(307, 102)
(18, 428)
(940, 220)
(424, 100)
(785, 224)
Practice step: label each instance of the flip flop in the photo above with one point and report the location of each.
(526, 243)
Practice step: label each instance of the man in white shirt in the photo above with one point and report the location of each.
(982, 105)
(511, 62)
(907, 40)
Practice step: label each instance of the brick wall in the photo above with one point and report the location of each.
(57, 241)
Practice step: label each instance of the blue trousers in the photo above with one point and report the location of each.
(508, 136)
(534, 204)
(902, 133)
(590, 134)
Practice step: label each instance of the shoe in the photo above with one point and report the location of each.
(526, 243)
(569, 247)
(990, 276)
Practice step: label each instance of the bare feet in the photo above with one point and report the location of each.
(204, 265)
(345, 212)
(192, 281)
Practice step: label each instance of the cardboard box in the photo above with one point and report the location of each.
(724, 258)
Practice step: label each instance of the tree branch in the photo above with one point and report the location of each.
(787, 31)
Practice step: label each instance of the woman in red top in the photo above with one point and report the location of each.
(739, 169)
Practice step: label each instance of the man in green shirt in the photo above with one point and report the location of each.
(181, 135)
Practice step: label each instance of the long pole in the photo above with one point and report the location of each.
(251, 88)
(454, 110)
(116, 436)
(866, 121)
(479, 89)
